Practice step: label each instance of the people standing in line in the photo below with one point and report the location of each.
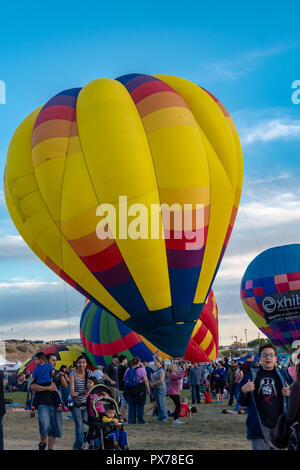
(78, 388)
(159, 386)
(135, 387)
(175, 380)
(2, 408)
(231, 381)
(112, 372)
(195, 380)
(121, 372)
(264, 394)
(50, 417)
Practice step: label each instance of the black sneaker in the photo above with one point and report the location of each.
(42, 445)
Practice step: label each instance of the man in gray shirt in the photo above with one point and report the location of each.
(195, 380)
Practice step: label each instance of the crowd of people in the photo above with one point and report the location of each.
(266, 392)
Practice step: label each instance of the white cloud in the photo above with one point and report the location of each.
(270, 130)
(236, 67)
(271, 179)
(14, 247)
(2, 198)
(275, 209)
(26, 284)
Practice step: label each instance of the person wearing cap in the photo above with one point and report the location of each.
(112, 374)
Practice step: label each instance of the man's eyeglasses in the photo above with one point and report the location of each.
(265, 355)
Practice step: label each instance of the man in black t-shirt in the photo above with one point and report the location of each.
(264, 393)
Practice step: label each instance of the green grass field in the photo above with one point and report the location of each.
(209, 429)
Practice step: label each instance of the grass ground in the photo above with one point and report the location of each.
(209, 430)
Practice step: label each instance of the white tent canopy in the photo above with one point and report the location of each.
(4, 362)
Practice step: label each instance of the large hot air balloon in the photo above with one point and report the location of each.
(65, 355)
(139, 139)
(103, 335)
(270, 293)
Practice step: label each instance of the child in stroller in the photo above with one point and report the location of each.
(104, 429)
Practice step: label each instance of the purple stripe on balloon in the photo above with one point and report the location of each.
(182, 259)
(114, 276)
(62, 100)
(140, 80)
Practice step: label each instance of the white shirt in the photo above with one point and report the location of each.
(98, 374)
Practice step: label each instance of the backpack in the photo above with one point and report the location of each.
(130, 379)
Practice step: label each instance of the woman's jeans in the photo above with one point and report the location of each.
(64, 393)
(135, 410)
(79, 417)
(160, 398)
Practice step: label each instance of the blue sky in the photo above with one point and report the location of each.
(247, 55)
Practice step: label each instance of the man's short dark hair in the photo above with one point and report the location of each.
(41, 356)
(122, 357)
(49, 355)
(265, 346)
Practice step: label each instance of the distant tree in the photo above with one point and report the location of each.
(256, 342)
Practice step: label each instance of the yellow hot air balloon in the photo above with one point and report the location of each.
(139, 139)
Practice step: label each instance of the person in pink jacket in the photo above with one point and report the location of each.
(174, 389)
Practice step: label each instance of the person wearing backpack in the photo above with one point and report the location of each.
(135, 386)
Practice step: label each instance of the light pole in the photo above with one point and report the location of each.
(246, 336)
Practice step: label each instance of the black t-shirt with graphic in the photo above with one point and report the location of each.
(268, 397)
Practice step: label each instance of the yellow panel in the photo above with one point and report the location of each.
(78, 198)
(213, 355)
(49, 149)
(220, 212)
(206, 342)
(211, 120)
(179, 157)
(119, 162)
(38, 228)
(173, 116)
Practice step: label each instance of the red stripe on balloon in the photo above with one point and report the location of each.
(115, 347)
(103, 260)
(148, 89)
(56, 112)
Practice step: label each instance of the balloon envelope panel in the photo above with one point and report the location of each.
(204, 343)
(65, 355)
(103, 335)
(156, 140)
(270, 294)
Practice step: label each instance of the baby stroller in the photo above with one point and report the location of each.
(98, 398)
